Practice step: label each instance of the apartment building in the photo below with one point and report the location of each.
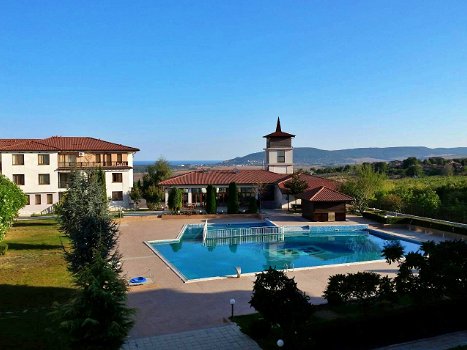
(41, 168)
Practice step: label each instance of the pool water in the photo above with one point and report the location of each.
(195, 260)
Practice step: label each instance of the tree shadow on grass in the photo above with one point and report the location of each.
(21, 297)
(34, 223)
(24, 246)
(25, 320)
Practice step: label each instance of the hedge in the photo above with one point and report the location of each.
(416, 222)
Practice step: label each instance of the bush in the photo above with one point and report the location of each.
(393, 251)
(3, 248)
(277, 298)
(360, 286)
(12, 199)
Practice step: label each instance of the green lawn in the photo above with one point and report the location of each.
(33, 275)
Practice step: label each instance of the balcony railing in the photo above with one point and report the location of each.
(92, 164)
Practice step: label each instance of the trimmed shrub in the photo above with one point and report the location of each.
(3, 248)
(233, 205)
(360, 286)
(211, 202)
(175, 199)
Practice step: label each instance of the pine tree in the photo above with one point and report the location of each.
(84, 217)
(97, 317)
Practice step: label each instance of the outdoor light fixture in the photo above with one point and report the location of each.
(280, 343)
(232, 303)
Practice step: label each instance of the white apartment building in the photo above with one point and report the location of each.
(41, 168)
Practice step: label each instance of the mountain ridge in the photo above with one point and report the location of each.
(316, 156)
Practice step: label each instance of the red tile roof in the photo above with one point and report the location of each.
(324, 194)
(312, 181)
(223, 177)
(279, 132)
(63, 143)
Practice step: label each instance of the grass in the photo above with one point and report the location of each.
(33, 275)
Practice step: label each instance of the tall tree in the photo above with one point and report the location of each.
(84, 217)
(12, 199)
(97, 317)
(232, 204)
(175, 199)
(363, 186)
(211, 203)
(151, 191)
(295, 186)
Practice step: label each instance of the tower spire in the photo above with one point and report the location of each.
(278, 127)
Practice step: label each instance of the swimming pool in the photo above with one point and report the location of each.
(298, 247)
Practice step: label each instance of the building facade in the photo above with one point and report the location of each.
(41, 168)
(268, 185)
(279, 151)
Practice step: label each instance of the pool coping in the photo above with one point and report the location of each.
(248, 274)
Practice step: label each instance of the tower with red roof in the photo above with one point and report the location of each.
(279, 151)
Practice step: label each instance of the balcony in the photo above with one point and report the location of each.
(87, 165)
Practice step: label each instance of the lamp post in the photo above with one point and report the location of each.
(232, 303)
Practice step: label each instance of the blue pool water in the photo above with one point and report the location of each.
(214, 258)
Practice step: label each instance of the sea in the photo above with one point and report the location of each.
(179, 163)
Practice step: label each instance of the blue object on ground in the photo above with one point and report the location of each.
(138, 280)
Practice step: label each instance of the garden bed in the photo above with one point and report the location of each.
(363, 326)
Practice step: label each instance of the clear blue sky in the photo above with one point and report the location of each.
(207, 79)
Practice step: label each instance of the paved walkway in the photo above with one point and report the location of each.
(224, 337)
(441, 342)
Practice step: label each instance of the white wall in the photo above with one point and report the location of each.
(31, 170)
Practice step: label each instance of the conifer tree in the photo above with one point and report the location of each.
(211, 203)
(232, 204)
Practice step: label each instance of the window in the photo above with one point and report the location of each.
(61, 195)
(44, 179)
(18, 159)
(98, 158)
(28, 199)
(281, 156)
(38, 199)
(43, 159)
(119, 158)
(50, 198)
(18, 179)
(117, 177)
(117, 196)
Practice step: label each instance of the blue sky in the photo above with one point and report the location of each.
(207, 79)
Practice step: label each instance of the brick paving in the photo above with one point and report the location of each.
(224, 337)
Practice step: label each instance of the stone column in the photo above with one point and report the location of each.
(189, 196)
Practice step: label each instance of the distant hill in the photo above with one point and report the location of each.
(315, 156)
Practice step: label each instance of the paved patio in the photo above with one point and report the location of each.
(170, 306)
